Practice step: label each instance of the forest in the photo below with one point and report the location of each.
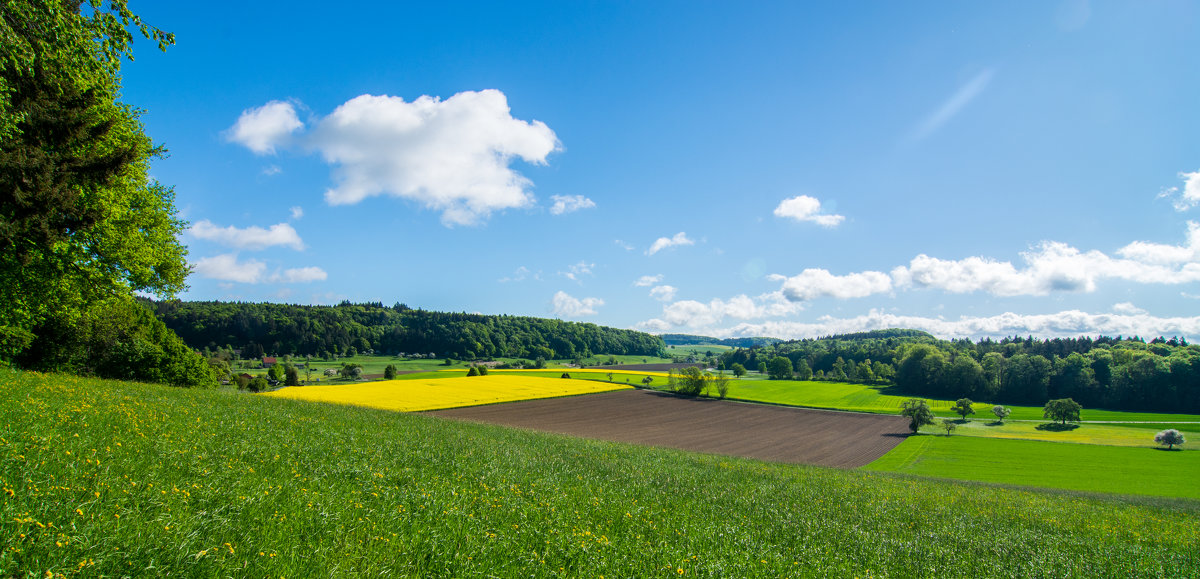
(1125, 373)
(267, 328)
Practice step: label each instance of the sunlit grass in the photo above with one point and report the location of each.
(103, 478)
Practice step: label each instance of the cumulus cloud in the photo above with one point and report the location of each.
(251, 238)
(805, 208)
(1052, 267)
(695, 314)
(227, 267)
(1190, 196)
(569, 204)
(648, 280)
(953, 105)
(663, 293)
(811, 284)
(450, 155)
(662, 243)
(565, 306)
(264, 128)
(1128, 309)
(1069, 323)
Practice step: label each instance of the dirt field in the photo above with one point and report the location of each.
(796, 435)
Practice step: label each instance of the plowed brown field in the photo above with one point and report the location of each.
(775, 433)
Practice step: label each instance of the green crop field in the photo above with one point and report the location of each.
(105, 478)
(1081, 467)
(886, 400)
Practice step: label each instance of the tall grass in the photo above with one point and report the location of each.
(111, 478)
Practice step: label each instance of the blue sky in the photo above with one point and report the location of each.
(729, 169)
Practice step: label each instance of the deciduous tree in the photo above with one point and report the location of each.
(1062, 410)
(918, 412)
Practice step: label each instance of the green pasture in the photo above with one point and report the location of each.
(1112, 434)
(697, 349)
(1080, 467)
(887, 400)
(106, 478)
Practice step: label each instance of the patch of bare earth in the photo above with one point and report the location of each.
(774, 433)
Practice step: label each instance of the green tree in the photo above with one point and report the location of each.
(963, 406)
(1169, 437)
(691, 382)
(472, 371)
(258, 384)
(483, 370)
(389, 373)
(1001, 412)
(948, 425)
(81, 223)
(762, 368)
(275, 372)
(721, 382)
(1062, 410)
(738, 370)
(918, 412)
(291, 376)
(780, 368)
(803, 370)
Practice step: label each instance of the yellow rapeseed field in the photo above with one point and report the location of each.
(436, 394)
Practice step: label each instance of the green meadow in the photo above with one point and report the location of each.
(105, 478)
(1080, 467)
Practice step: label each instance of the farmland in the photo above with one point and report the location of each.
(115, 478)
(415, 394)
(1082, 467)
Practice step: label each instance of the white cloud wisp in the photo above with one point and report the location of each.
(662, 243)
(250, 238)
(805, 208)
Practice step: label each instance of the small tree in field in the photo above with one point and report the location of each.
(565, 375)
(1001, 412)
(1169, 437)
(918, 412)
(647, 380)
(1062, 410)
(389, 373)
(738, 370)
(472, 371)
(721, 381)
(483, 370)
(963, 406)
(948, 425)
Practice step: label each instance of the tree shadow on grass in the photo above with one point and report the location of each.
(1057, 427)
(994, 423)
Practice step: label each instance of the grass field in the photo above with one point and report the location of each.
(103, 478)
(1081, 467)
(415, 394)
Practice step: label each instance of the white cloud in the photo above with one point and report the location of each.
(297, 212)
(1069, 323)
(448, 155)
(264, 128)
(251, 238)
(574, 272)
(623, 245)
(648, 280)
(811, 284)
(663, 293)
(272, 170)
(226, 267)
(569, 204)
(805, 208)
(662, 243)
(1052, 267)
(1191, 191)
(954, 105)
(694, 314)
(301, 275)
(1128, 309)
(566, 306)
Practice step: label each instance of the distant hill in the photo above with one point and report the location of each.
(690, 339)
(266, 328)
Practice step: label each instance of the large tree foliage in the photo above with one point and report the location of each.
(82, 226)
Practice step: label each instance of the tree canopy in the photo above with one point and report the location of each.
(81, 222)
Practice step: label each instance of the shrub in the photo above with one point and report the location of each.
(472, 371)
(565, 375)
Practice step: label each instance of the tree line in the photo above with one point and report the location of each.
(266, 328)
(1127, 373)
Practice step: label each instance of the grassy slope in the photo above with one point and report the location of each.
(114, 478)
(1109, 469)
